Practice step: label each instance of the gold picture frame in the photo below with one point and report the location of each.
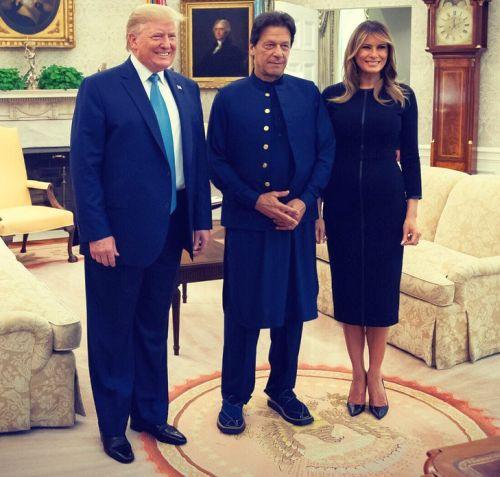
(213, 66)
(46, 23)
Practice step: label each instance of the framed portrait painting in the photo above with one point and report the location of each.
(215, 39)
(46, 23)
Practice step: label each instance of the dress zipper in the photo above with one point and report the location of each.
(362, 218)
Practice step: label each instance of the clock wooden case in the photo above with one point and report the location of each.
(456, 38)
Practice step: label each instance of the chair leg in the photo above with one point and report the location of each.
(25, 240)
(8, 239)
(176, 305)
(71, 233)
(184, 292)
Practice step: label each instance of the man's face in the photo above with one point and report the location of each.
(270, 53)
(220, 31)
(155, 45)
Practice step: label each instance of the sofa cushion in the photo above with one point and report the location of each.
(437, 183)
(22, 293)
(425, 272)
(470, 222)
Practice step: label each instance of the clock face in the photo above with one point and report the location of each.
(454, 22)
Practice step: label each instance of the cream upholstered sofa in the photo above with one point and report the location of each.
(450, 287)
(38, 381)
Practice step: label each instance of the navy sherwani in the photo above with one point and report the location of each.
(123, 187)
(266, 137)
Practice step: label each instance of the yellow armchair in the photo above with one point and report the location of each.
(17, 214)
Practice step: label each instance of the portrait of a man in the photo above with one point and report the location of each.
(224, 58)
(28, 16)
(220, 42)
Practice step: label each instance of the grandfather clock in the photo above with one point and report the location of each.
(456, 38)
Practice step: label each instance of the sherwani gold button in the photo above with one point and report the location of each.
(267, 95)
(265, 147)
(267, 184)
(264, 165)
(267, 110)
(266, 128)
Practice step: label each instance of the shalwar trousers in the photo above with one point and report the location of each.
(239, 359)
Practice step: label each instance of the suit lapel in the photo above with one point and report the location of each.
(135, 89)
(181, 99)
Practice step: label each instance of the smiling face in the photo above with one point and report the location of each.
(154, 44)
(270, 53)
(372, 55)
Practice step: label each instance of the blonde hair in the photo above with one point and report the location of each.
(388, 74)
(150, 13)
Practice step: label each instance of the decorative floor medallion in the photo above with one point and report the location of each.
(334, 445)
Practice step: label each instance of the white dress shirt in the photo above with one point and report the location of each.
(173, 112)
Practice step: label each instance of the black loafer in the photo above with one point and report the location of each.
(118, 448)
(161, 432)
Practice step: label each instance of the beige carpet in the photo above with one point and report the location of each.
(429, 408)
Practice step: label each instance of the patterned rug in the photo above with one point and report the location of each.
(419, 419)
(43, 252)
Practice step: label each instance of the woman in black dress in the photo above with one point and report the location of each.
(370, 204)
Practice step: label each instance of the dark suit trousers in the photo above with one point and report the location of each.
(238, 361)
(127, 319)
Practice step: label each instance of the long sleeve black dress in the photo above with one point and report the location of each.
(365, 203)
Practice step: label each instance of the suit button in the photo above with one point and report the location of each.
(264, 165)
(267, 95)
(267, 110)
(266, 128)
(267, 184)
(265, 147)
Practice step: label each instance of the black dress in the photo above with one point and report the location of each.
(365, 203)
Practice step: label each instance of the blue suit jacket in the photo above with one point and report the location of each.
(236, 137)
(119, 169)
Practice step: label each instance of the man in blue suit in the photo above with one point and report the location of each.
(270, 149)
(138, 163)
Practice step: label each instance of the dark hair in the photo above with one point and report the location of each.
(267, 19)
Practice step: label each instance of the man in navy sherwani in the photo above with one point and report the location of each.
(270, 150)
(138, 163)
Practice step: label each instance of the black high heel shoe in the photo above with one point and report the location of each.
(355, 409)
(380, 411)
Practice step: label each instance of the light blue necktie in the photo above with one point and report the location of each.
(161, 111)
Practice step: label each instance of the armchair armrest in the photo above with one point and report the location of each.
(38, 185)
(49, 188)
(23, 321)
(462, 272)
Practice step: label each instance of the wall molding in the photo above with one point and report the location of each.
(488, 158)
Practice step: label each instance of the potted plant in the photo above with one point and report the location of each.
(10, 79)
(59, 77)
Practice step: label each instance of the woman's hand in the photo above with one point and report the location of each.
(320, 230)
(411, 234)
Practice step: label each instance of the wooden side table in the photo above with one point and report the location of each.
(209, 266)
(473, 459)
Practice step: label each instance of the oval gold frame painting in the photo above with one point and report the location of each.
(46, 23)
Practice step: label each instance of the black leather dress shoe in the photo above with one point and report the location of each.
(118, 448)
(161, 432)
